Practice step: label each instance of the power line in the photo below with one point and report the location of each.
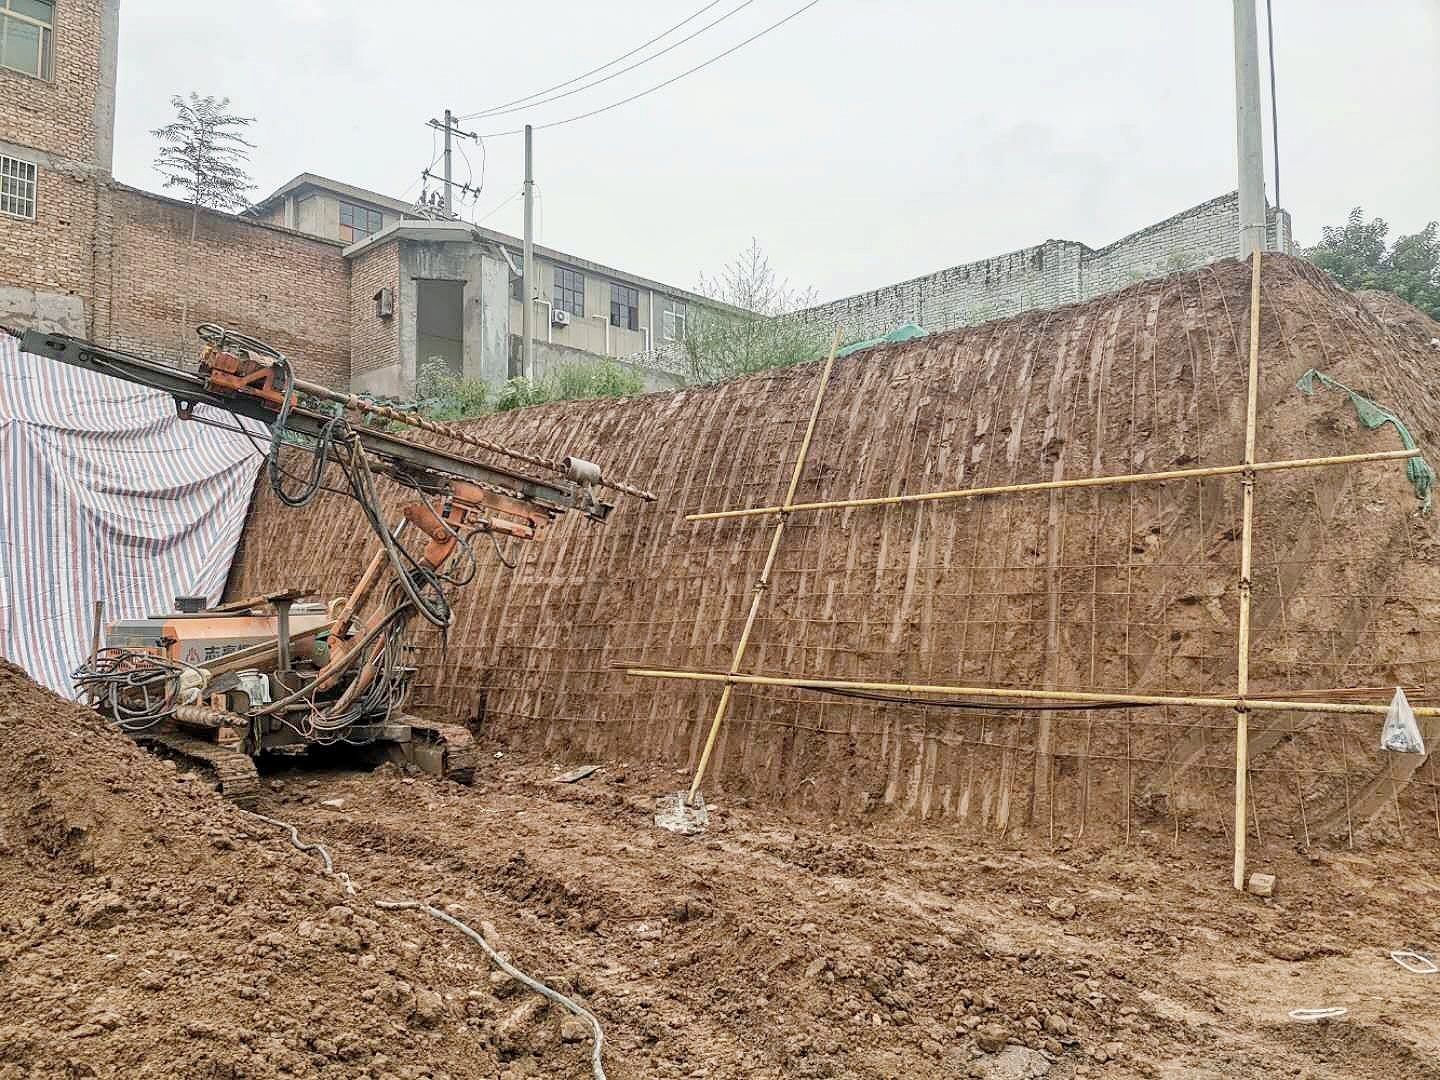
(592, 71)
(673, 79)
(497, 208)
(616, 74)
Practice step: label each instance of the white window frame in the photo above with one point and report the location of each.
(672, 321)
(46, 56)
(17, 172)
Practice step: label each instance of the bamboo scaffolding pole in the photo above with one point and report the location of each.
(763, 583)
(1247, 547)
(1051, 485)
(1049, 697)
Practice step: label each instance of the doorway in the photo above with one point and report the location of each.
(439, 327)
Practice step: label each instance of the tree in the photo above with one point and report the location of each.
(203, 153)
(1357, 257)
(754, 330)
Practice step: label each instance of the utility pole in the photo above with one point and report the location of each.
(1249, 140)
(449, 128)
(448, 181)
(527, 283)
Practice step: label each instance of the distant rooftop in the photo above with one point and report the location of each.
(423, 226)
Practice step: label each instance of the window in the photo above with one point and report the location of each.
(672, 319)
(624, 307)
(27, 30)
(17, 188)
(357, 222)
(517, 281)
(569, 291)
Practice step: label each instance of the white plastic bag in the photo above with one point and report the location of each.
(1400, 733)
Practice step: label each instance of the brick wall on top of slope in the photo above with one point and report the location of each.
(1130, 588)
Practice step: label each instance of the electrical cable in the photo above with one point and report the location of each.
(660, 86)
(312, 688)
(1274, 108)
(499, 554)
(616, 74)
(436, 609)
(597, 1036)
(569, 1005)
(592, 71)
(497, 208)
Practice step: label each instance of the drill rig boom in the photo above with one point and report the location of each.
(223, 686)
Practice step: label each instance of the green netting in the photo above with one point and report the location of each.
(1374, 416)
(904, 332)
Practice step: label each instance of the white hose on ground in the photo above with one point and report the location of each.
(499, 961)
(307, 848)
(515, 973)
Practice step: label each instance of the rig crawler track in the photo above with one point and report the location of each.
(233, 771)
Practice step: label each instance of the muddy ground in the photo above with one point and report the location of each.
(149, 929)
(767, 950)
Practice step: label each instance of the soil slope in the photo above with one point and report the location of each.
(1117, 588)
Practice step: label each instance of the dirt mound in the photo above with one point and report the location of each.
(148, 928)
(1117, 589)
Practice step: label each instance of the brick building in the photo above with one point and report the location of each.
(86, 255)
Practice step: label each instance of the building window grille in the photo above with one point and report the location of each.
(27, 31)
(569, 291)
(17, 188)
(624, 307)
(358, 222)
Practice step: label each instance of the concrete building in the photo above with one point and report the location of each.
(320, 206)
(435, 291)
(1049, 274)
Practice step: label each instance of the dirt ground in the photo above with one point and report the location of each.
(149, 929)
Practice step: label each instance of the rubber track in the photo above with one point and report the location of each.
(461, 755)
(235, 775)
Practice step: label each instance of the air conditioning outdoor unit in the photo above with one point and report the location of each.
(559, 317)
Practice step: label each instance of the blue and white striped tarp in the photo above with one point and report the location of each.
(105, 494)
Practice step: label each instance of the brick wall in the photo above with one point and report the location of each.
(55, 252)
(290, 290)
(67, 115)
(375, 342)
(1047, 275)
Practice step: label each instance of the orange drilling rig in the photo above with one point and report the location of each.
(280, 674)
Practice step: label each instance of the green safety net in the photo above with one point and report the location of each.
(901, 333)
(1421, 475)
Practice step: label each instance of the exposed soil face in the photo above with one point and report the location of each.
(149, 929)
(1114, 589)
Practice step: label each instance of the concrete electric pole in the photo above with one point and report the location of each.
(1248, 136)
(449, 128)
(448, 209)
(528, 283)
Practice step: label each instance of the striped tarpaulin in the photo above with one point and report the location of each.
(104, 494)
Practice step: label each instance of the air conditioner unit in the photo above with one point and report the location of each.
(559, 317)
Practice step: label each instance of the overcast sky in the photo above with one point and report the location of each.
(862, 142)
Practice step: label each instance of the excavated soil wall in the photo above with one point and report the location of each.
(1121, 589)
